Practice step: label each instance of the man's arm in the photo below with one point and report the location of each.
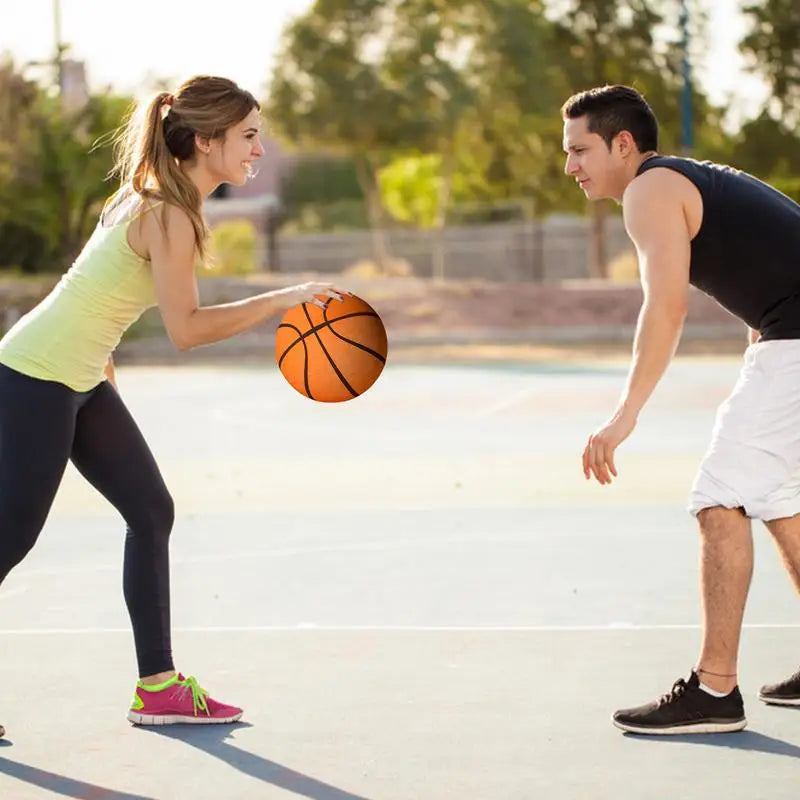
(752, 335)
(655, 221)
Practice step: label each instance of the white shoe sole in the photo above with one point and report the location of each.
(779, 701)
(702, 727)
(176, 719)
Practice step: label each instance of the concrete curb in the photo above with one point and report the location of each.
(158, 349)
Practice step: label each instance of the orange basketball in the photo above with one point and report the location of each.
(331, 354)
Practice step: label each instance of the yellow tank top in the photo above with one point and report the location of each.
(70, 335)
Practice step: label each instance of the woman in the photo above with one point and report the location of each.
(58, 398)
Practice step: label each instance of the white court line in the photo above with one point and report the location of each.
(308, 627)
(508, 402)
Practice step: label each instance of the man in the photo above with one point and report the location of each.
(738, 240)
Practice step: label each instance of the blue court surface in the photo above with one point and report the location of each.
(415, 596)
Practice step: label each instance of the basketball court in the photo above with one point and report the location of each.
(415, 595)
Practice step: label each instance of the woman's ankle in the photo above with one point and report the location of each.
(159, 677)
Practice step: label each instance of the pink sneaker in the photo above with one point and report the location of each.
(178, 700)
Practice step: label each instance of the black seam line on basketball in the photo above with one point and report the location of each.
(299, 339)
(327, 355)
(305, 359)
(305, 370)
(315, 328)
(351, 341)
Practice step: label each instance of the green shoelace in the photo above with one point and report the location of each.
(199, 694)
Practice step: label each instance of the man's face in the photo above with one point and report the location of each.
(589, 161)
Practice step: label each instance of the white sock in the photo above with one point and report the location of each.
(711, 691)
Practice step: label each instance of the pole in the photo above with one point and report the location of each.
(59, 53)
(687, 134)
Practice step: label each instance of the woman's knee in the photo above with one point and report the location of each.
(154, 516)
(14, 546)
(21, 522)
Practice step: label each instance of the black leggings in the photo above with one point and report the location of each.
(43, 424)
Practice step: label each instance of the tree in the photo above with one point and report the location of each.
(610, 42)
(425, 62)
(465, 97)
(19, 245)
(509, 143)
(52, 181)
(322, 192)
(480, 74)
(329, 92)
(773, 46)
(411, 189)
(768, 148)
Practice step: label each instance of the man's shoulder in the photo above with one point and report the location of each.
(691, 168)
(661, 179)
(660, 195)
(672, 160)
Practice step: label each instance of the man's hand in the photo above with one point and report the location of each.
(598, 456)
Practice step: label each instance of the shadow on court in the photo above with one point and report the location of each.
(61, 784)
(211, 739)
(742, 740)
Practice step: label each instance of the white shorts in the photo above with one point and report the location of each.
(753, 461)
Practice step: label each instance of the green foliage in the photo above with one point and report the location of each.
(475, 87)
(372, 80)
(773, 42)
(410, 188)
(766, 147)
(322, 193)
(327, 92)
(342, 215)
(320, 179)
(624, 268)
(425, 109)
(233, 248)
(789, 186)
(52, 181)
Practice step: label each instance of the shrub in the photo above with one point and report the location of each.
(624, 268)
(233, 248)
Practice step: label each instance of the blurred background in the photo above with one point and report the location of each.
(413, 147)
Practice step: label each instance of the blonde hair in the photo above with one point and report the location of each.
(158, 136)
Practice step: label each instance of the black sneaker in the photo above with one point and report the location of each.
(686, 709)
(785, 693)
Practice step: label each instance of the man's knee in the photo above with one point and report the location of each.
(784, 527)
(718, 519)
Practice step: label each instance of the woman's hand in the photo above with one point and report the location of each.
(315, 292)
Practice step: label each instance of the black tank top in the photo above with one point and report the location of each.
(746, 254)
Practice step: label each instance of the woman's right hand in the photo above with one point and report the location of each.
(315, 292)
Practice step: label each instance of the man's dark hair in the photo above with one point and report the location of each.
(611, 109)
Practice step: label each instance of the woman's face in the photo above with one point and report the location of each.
(230, 158)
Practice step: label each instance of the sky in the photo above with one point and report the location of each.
(126, 45)
(175, 39)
